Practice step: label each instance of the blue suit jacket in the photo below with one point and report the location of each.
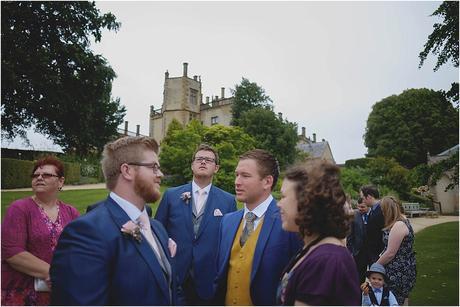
(95, 264)
(176, 216)
(274, 248)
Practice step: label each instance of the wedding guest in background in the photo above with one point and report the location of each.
(30, 231)
(115, 254)
(398, 257)
(356, 239)
(373, 243)
(253, 248)
(191, 214)
(323, 272)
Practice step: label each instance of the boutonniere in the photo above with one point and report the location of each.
(132, 229)
(186, 196)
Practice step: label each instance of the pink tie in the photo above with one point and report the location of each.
(200, 200)
(147, 232)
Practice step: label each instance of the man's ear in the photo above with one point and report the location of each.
(217, 168)
(126, 172)
(268, 182)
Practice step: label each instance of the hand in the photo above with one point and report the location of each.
(48, 282)
(365, 288)
(172, 246)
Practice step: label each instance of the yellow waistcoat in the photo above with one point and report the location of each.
(239, 269)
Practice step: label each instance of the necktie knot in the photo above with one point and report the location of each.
(250, 217)
(144, 221)
(377, 290)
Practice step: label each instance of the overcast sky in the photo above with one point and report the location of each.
(324, 64)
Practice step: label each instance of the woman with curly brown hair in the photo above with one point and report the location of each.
(312, 204)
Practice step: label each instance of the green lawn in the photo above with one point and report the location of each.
(437, 266)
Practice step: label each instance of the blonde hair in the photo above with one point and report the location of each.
(391, 211)
(123, 150)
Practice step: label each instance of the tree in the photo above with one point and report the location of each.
(179, 145)
(51, 78)
(272, 133)
(443, 42)
(248, 95)
(407, 126)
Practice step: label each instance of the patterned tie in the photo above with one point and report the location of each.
(147, 232)
(248, 228)
(200, 200)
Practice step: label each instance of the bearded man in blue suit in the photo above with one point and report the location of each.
(116, 255)
(191, 214)
(253, 247)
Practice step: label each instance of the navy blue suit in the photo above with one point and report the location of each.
(374, 235)
(355, 244)
(197, 252)
(274, 248)
(95, 264)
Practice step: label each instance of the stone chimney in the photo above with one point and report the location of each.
(314, 137)
(126, 127)
(185, 69)
(217, 98)
(323, 140)
(138, 129)
(195, 78)
(222, 92)
(303, 131)
(207, 99)
(280, 115)
(166, 74)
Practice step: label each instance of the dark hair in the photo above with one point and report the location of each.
(206, 147)
(50, 160)
(320, 199)
(360, 200)
(266, 162)
(370, 190)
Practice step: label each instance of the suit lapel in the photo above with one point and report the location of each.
(269, 220)
(230, 233)
(187, 207)
(208, 211)
(144, 249)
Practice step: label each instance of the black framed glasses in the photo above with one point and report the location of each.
(205, 159)
(44, 175)
(155, 167)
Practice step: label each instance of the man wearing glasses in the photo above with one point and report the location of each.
(191, 214)
(115, 254)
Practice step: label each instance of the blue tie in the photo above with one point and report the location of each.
(377, 290)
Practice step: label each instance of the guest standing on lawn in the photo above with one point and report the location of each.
(398, 257)
(323, 272)
(30, 231)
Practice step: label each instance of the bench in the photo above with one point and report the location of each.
(411, 209)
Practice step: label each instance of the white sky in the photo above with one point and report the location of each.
(324, 64)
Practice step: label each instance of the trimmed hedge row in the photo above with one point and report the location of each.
(16, 173)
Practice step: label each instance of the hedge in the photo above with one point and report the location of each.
(16, 173)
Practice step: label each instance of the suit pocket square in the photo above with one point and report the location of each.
(217, 212)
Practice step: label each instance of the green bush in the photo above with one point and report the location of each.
(16, 173)
(71, 172)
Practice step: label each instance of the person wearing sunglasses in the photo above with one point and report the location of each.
(191, 214)
(30, 231)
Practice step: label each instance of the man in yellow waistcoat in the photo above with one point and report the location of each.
(253, 248)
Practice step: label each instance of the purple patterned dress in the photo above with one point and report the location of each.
(26, 227)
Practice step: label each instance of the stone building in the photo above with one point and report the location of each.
(183, 101)
(449, 198)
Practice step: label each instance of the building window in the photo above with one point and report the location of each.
(214, 120)
(193, 96)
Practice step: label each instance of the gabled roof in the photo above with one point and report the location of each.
(449, 151)
(315, 149)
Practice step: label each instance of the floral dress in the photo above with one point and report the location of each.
(401, 270)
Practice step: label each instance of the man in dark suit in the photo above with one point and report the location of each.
(116, 255)
(191, 214)
(375, 222)
(355, 240)
(253, 247)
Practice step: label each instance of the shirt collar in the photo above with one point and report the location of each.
(377, 290)
(130, 209)
(195, 188)
(374, 206)
(260, 210)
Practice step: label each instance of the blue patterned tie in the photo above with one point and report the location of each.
(248, 228)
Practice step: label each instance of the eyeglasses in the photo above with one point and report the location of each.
(44, 175)
(205, 159)
(155, 167)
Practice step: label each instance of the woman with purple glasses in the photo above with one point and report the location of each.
(30, 231)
